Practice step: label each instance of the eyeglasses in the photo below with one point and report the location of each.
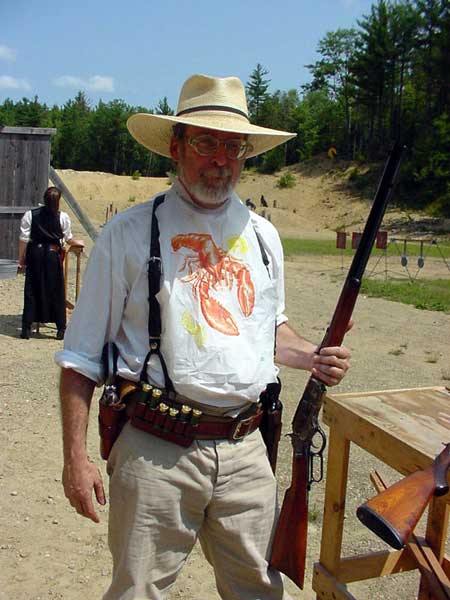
(207, 145)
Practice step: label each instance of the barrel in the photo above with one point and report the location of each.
(8, 268)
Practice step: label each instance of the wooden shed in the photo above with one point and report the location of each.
(24, 173)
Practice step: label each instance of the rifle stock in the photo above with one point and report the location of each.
(394, 514)
(290, 526)
(308, 439)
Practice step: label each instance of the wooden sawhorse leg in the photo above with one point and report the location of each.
(325, 577)
(436, 535)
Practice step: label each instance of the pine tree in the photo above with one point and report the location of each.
(256, 88)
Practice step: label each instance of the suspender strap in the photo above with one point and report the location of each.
(154, 312)
(154, 276)
(264, 256)
(265, 259)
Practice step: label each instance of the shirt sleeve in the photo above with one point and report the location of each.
(66, 226)
(98, 311)
(25, 227)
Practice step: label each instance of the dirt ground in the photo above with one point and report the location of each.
(47, 551)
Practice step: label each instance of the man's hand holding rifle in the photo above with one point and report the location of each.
(329, 366)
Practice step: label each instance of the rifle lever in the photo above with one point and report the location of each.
(315, 473)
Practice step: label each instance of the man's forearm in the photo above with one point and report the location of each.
(22, 252)
(293, 350)
(76, 393)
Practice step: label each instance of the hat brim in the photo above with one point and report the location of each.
(155, 131)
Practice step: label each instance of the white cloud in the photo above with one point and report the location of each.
(7, 53)
(12, 83)
(96, 83)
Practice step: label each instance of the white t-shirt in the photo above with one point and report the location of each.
(219, 306)
(25, 226)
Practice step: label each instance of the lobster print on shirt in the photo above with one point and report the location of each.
(210, 268)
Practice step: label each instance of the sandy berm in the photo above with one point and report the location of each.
(47, 550)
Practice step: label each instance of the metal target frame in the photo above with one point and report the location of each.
(401, 247)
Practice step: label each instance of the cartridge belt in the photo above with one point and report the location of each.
(160, 414)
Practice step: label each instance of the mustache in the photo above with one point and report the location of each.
(217, 172)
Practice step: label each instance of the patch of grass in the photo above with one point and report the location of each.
(361, 180)
(396, 351)
(286, 181)
(313, 514)
(293, 246)
(136, 175)
(431, 357)
(131, 198)
(427, 294)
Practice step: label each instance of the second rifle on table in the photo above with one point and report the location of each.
(394, 513)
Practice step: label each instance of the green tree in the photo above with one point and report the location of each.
(332, 73)
(319, 119)
(279, 111)
(372, 75)
(404, 25)
(73, 151)
(163, 108)
(30, 113)
(8, 113)
(108, 135)
(257, 93)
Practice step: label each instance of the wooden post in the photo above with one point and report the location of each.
(70, 199)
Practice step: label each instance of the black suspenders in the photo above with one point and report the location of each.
(154, 283)
(154, 313)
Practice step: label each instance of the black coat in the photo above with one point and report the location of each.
(44, 299)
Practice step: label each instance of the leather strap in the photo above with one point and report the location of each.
(173, 430)
(154, 313)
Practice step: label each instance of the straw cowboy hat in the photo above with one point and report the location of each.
(212, 102)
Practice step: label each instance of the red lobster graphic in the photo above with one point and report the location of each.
(210, 268)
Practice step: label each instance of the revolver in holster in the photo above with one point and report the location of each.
(271, 424)
(112, 414)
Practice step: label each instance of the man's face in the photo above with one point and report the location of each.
(208, 179)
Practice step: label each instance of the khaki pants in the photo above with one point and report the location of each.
(163, 496)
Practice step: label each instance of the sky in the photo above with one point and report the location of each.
(143, 50)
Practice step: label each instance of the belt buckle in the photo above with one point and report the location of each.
(237, 430)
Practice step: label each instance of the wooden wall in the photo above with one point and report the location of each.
(24, 171)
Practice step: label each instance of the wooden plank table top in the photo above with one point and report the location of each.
(405, 428)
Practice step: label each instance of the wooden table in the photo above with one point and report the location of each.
(405, 429)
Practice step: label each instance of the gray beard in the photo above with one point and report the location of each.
(213, 195)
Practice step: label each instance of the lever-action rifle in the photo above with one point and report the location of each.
(308, 438)
(394, 514)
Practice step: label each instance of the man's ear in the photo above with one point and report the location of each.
(175, 148)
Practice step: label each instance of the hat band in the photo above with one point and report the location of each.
(213, 107)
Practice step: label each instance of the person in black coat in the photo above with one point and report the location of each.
(43, 230)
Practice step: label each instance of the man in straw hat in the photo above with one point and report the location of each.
(189, 286)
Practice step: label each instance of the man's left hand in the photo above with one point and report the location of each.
(331, 364)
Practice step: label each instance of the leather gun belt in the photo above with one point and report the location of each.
(162, 415)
